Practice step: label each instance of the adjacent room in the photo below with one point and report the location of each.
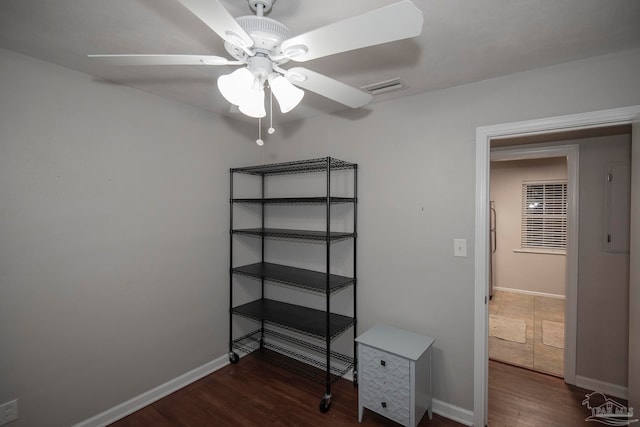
(159, 159)
(526, 325)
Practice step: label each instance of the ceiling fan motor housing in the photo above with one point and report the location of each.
(267, 35)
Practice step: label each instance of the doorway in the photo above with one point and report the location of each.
(528, 261)
(484, 135)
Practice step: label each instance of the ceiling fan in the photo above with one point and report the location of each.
(261, 45)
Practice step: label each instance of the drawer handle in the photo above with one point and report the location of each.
(384, 404)
(383, 363)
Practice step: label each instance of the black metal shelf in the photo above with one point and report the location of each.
(295, 200)
(299, 356)
(285, 233)
(293, 276)
(306, 320)
(296, 337)
(300, 166)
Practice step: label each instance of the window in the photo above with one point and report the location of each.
(544, 215)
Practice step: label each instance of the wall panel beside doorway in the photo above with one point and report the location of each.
(603, 276)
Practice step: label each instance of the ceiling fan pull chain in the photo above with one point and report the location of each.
(271, 130)
(259, 141)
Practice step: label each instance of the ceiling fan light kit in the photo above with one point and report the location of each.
(287, 95)
(253, 103)
(260, 45)
(234, 86)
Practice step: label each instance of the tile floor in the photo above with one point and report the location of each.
(533, 354)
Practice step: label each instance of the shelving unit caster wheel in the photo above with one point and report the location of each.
(325, 404)
(234, 358)
(355, 378)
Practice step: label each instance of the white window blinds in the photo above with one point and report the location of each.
(544, 215)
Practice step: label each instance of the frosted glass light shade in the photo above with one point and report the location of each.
(288, 95)
(253, 103)
(234, 86)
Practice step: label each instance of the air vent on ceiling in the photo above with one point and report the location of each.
(384, 87)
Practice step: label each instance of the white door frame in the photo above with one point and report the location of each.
(633, 386)
(596, 119)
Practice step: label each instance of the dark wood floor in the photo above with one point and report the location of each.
(521, 397)
(257, 393)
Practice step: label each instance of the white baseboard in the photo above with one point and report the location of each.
(525, 292)
(603, 387)
(122, 410)
(348, 375)
(455, 413)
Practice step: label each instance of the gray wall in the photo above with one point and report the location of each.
(603, 277)
(417, 190)
(113, 240)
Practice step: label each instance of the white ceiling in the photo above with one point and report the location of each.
(462, 41)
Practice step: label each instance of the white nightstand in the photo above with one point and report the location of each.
(394, 374)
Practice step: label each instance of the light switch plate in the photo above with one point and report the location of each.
(460, 247)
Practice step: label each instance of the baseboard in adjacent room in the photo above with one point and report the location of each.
(147, 398)
(602, 387)
(526, 292)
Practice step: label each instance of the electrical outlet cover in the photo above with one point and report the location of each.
(8, 412)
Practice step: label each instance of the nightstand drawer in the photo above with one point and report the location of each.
(391, 404)
(381, 367)
(385, 384)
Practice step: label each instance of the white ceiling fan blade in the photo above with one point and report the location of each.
(327, 87)
(389, 23)
(212, 13)
(165, 59)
